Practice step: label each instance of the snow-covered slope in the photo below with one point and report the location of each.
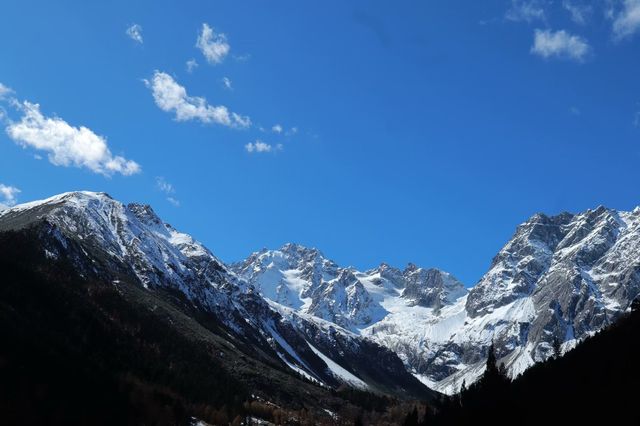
(133, 235)
(93, 230)
(400, 309)
(558, 280)
(304, 279)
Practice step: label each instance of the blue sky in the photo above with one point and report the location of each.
(420, 131)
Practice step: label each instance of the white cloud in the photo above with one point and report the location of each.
(526, 10)
(243, 121)
(164, 186)
(242, 58)
(560, 44)
(259, 146)
(636, 119)
(173, 201)
(580, 13)
(172, 97)
(292, 131)
(135, 33)
(192, 64)
(168, 189)
(627, 21)
(213, 46)
(227, 83)
(5, 91)
(67, 145)
(277, 128)
(8, 196)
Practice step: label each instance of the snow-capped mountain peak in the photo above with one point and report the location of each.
(302, 278)
(558, 279)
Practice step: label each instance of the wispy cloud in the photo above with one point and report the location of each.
(8, 196)
(67, 145)
(580, 12)
(526, 10)
(168, 189)
(575, 111)
(245, 57)
(258, 147)
(277, 128)
(214, 46)
(164, 186)
(170, 96)
(192, 64)
(135, 33)
(488, 21)
(627, 21)
(5, 91)
(560, 44)
(227, 83)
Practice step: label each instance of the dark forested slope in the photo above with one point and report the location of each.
(596, 380)
(77, 350)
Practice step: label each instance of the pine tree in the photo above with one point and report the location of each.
(502, 370)
(494, 375)
(463, 391)
(492, 368)
(557, 346)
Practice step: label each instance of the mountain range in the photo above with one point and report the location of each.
(298, 321)
(558, 280)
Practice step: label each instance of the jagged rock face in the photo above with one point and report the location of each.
(431, 288)
(287, 276)
(343, 301)
(593, 275)
(559, 279)
(93, 229)
(302, 278)
(517, 267)
(568, 275)
(392, 275)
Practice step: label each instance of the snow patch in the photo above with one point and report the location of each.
(339, 372)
